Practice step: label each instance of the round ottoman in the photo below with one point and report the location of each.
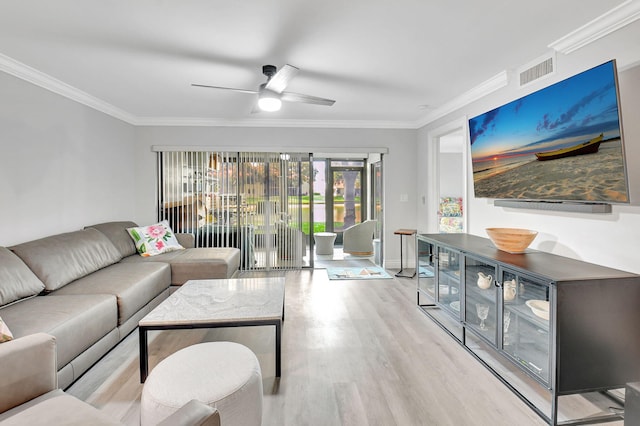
(324, 242)
(224, 375)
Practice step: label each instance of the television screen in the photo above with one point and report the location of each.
(561, 143)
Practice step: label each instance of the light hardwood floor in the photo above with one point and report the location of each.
(353, 353)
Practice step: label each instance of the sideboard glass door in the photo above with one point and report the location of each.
(448, 290)
(426, 271)
(525, 336)
(481, 296)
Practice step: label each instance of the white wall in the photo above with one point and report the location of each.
(62, 165)
(399, 164)
(450, 174)
(607, 239)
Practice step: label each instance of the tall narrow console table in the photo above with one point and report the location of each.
(402, 233)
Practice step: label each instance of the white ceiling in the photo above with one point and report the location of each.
(381, 60)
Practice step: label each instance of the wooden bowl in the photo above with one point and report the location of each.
(511, 240)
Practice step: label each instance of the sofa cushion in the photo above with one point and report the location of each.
(57, 408)
(196, 263)
(133, 284)
(28, 371)
(16, 279)
(118, 235)
(77, 322)
(186, 240)
(63, 258)
(154, 239)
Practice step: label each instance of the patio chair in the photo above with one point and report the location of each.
(358, 239)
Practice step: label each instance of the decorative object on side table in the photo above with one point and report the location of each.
(511, 240)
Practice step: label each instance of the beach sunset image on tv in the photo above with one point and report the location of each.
(561, 143)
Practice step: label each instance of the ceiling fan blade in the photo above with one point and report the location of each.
(251, 92)
(307, 99)
(256, 109)
(279, 81)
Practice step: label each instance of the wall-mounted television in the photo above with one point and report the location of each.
(560, 143)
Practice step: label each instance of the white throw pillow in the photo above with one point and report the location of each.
(154, 239)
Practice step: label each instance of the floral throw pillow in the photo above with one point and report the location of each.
(5, 333)
(154, 239)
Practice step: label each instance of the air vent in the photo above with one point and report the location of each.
(542, 68)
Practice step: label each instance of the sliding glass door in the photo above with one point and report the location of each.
(267, 204)
(252, 201)
(339, 195)
(349, 190)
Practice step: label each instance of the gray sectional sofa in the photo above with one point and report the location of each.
(90, 288)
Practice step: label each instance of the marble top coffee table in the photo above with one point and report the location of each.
(217, 303)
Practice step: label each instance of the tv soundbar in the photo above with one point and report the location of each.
(565, 206)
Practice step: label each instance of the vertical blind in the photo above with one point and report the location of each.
(252, 201)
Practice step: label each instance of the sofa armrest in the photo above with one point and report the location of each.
(193, 413)
(28, 369)
(186, 240)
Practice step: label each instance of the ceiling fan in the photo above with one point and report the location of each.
(271, 94)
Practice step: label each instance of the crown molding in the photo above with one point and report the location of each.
(611, 21)
(32, 75)
(27, 73)
(271, 148)
(218, 122)
(496, 82)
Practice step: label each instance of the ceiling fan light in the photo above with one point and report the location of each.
(268, 100)
(269, 103)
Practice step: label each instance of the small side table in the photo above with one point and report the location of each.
(402, 233)
(324, 242)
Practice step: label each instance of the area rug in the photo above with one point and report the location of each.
(357, 273)
(425, 273)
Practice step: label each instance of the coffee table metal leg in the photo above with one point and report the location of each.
(144, 361)
(278, 348)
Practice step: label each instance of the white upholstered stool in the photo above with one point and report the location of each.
(224, 375)
(324, 242)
